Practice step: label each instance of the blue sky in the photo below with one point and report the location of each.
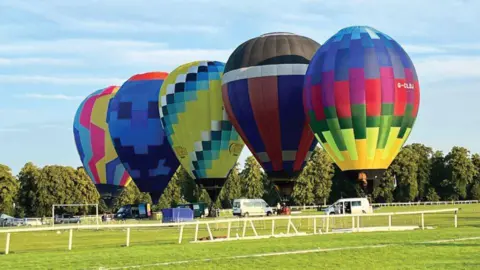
(54, 54)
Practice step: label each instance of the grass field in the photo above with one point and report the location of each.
(157, 248)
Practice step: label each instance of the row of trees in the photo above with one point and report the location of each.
(417, 173)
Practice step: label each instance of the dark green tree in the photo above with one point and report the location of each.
(384, 191)
(187, 184)
(232, 189)
(342, 186)
(323, 165)
(303, 190)
(271, 195)
(404, 167)
(9, 187)
(424, 167)
(460, 171)
(473, 188)
(475, 191)
(132, 195)
(315, 182)
(28, 177)
(172, 196)
(85, 190)
(432, 195)
(252, 179)
(438, 175)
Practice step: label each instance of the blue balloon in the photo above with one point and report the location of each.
(138, 136)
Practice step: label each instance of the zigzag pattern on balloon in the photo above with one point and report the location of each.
(93, 140)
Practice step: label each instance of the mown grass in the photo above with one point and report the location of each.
(104, 248)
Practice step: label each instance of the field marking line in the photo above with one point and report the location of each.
(449, 240)
(316, 250)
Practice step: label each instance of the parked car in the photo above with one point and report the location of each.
(134, 211)
(251, 207)
(7, 221)
(66, 218)
(349, 206)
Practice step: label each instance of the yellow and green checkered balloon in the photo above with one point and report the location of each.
(196, 124)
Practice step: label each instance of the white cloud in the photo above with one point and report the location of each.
(51, 96)
(18, 61)
(422, 49)
(175, 57)
(28, 79)
(77, 46)
(306, 17)
(70, 17)
(442, 68)
(56, 126)
(141, 26)
(463, 46)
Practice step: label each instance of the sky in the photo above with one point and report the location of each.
(55, 54)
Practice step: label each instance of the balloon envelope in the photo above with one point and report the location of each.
(138, 136)
(96, 151)
(262, 91)
(362, 97)
(197, 125)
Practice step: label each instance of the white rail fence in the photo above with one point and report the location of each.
(316, 224)
(419, 203)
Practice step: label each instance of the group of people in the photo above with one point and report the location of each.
(283, 209)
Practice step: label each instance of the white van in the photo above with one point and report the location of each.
(251, 207)
(350, 206)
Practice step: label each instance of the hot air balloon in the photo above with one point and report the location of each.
(95, 148)
(197, 125)
(138, 136)
(262, 91)
(362, 97)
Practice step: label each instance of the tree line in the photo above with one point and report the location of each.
(417, 173)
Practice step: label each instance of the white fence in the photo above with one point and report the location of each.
(317, 224)
(304, 207)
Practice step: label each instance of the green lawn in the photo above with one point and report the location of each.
(152, 247)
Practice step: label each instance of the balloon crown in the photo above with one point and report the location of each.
(277, 34)
(358, 28)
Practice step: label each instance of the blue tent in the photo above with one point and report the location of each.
(177, 215)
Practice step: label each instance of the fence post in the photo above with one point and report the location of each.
(389, 222)
(456, 212)
(128, 238)
(244, 228)
(7, 244)
(70, 236)
(289, 224)
(196, 232)
(53, 215)
(328, 223)
(358, 223)
(273, 227)
(181, 234)
(209, 231)
(229, 228)
(423, 222)
(353, 223)
(253, 228)
(314, 225)
(96, 217)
